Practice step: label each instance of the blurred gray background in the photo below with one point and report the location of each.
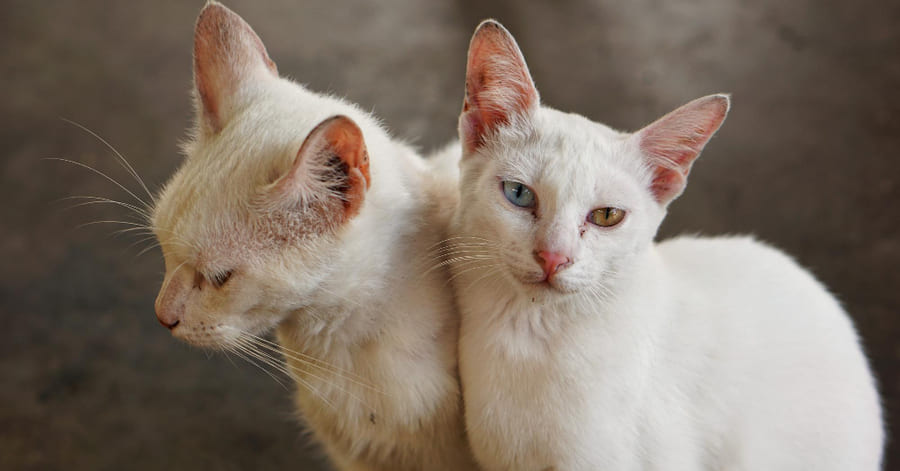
(808, 160)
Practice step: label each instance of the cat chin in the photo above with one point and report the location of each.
(211, 335)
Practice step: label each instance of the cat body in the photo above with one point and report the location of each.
(584, 345)
(297, 212)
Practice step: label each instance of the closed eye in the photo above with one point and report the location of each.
(220, 278)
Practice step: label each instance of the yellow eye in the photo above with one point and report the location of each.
(606, 217)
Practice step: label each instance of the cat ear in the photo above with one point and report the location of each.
(671, 144)
(227, 54)
(499, 88)
(331, 163)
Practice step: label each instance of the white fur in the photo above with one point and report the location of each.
(368, 331)
(691, 354)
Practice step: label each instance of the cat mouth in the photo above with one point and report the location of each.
(553, 285)
(539, 286)
(545, 284)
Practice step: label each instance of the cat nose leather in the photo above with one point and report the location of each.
(169, 315)
(551, 262)
(169, 304)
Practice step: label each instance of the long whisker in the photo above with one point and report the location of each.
(450, 239)
(229, 350)
(314, 362)
(329, 382)
(461, 248)
(92, 169)
(135, 231)
(457, 243)
(249, 349)
(242, 342)
(477, 267)
(136, 227)
(310, 373)
(140, 226)
(122, 160)
(247, 356)
(449, 251)
(460, 259)
(101, 200)
(451, 254)
(112, 221)
(142, 240)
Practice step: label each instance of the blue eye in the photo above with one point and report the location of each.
(518, 194)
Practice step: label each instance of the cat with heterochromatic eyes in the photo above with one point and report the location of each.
(297, 212)
(584, 345)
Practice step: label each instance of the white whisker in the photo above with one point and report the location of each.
(122, 161)
(102, 200)
(314, 362)
(98, 172)
(244, 342)
(287, 368)
(248, 357)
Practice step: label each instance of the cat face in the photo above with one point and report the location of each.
(250, 221)
(557, 203)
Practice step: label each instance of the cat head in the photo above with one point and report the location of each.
(252, 220)
(562, 202)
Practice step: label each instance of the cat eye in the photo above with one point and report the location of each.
(606, 217)
(518, 194)
(220, 278)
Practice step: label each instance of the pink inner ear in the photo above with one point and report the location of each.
(346, 140)
(498, 85)
(336, 137)
(673, 142)
(667, 184)
(226, 53)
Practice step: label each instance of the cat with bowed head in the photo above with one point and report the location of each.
(297, 212)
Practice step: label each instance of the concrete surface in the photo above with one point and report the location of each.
(808, 160)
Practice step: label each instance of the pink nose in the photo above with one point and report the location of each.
(172, 296)
(552, 262)
(169, 316)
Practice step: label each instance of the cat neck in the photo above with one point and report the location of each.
(374, 353)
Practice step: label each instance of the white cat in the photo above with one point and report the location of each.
(585, 346)
(278, 217)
